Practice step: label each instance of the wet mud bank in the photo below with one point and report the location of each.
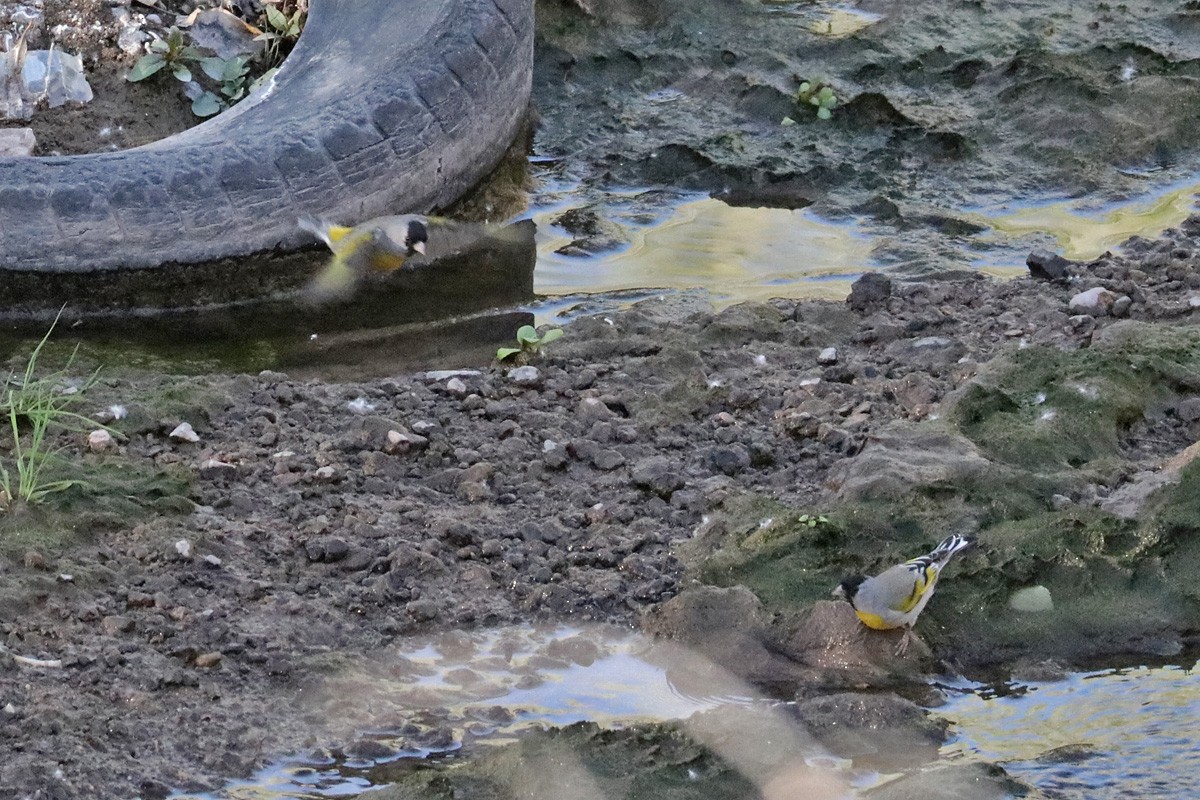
(653, 468)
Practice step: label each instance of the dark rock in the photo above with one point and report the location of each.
(729, 626)
(370, 750)
(326, 549)
(1188, 410)
(954, 782)
(607, 459)
(730, 460)
(1047, 266)
(853, 725)
(658, 476)
(554, 455)
(422, 610)
(869, 291)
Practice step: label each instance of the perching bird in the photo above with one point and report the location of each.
(896, 597)
(378, 245)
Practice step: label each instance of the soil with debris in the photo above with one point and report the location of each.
(332, 518)
(109, 38)
(182, 627)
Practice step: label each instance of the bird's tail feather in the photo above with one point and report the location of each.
(337, 281)
(951, 545)
(316, 226)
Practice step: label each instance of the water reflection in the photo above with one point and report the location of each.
(1080, 232)
(1118, 733)
(682, 242)
(428, 697)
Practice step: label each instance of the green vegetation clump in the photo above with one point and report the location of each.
(48, 497)
(529, 344)
(819, 96)
(1046, 409)
(227, 80)
(37, 407)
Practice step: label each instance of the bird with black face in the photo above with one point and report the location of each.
(379, 245)
(896, 597)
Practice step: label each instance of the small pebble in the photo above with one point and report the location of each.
(100, 441)
(183, 433)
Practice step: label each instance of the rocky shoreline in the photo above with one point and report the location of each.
(647, 453)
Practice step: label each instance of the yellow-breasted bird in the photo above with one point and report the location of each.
(378, 245)
(896, 597)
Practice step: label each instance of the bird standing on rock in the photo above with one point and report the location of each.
(896, 597)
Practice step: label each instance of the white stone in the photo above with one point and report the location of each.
(442, 374)
(184, 548)
(17, 142)
(828, 356)
(183, 433)
(100, 441)
(456, 387)
(525, 376)
(1031, 599)
(360, 406)
(1095, 301)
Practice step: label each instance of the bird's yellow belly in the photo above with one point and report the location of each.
(874, 621)
(386, 262)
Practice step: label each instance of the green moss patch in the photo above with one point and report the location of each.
(1044, 409)
(108, 493)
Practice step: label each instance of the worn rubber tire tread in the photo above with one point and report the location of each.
(361, 121)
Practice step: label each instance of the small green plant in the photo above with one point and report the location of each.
(34, 406)
(233, 79)
(529, 344)
(819, 95)
(284, 23)
(172, 53)
(813, 520)
(221, 82)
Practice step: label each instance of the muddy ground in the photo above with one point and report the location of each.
(204, 597)
(328, 519)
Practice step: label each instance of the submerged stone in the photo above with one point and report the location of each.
(1031, 599)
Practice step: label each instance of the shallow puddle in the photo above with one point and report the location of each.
(427, 698)
(663, 240)
(1118, 733)
(694, 241)
(1081, 231)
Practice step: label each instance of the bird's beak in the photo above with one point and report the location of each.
(838, 591)
(419, 247)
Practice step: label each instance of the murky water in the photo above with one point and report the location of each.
(1128, 733)
(663, 240)
(483, 688)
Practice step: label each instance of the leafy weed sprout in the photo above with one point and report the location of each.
(284, 23)
(228, 79)
(529, 344)
(820, 95)
(35, 407)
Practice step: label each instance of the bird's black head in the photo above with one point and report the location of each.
(416, 237)
(848, 588)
